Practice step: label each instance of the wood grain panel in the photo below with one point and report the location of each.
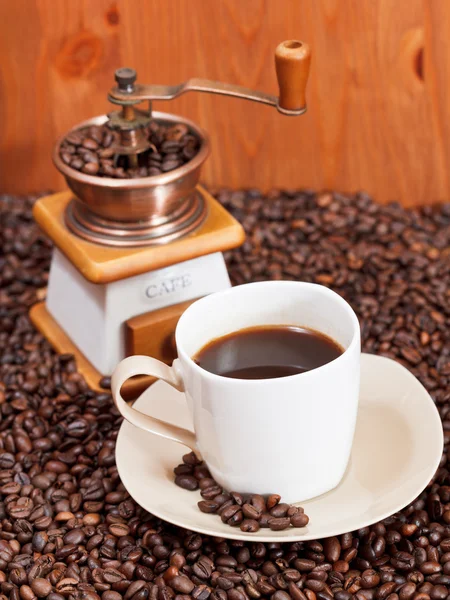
(378, 118)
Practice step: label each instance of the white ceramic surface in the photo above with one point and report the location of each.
(93, 314)
(397, 448)
(253, 434)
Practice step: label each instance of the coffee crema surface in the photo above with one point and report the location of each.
(267, 352)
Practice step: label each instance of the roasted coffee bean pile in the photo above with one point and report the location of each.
(390, 264)
(69, 530)
(91, 150)
(250, 512)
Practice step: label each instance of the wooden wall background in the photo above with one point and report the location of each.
(379, 107)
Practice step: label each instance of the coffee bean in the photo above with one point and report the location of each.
(257, 502)
(20, 509)
(211, 492)
(236, 519)
(369, 578)
(119, 529)
(41, 481)
(90, 168)
(170, 572)
(331, 548)
(279, 523)
(41, 587)
(280, 595)
(39, 541)
(187, 482)
(222, 498)
(134, 588)
(144, 573)
(249, 525)
(56, 466)
(279, 510)
(297, 594)
(77, 163)
(439, 592)
(265, 587)
(229, 512)
(26, 593)
(74, 138)
(203, 568)
(193, 542)
(201, 592)
(89, 157)
(66, 156)
(208, 506)
(264, 519)
(385, 590)
(237, 498)
(170, 146)
(250, 512)
(105, 383)
(67, 585)
(236, 594)
(430, 568)
(407, 591)
(143, 594)
(108, 138)
(106, 153)
(88, 147)
(225, 560)
(203, 483)
(187, 470)
(224, 583)
(74, 536)
(6, 460)
(272, 501)
(188, 152)
(64, 515)
(111, 575)
(10, 488)
(182, 584)
(170, 165)
(176, 132)
(299, 520)
(89, 143)
(315, 585)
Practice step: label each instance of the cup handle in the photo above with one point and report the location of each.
(145, 365)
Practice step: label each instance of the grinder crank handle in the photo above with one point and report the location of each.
(292, 60)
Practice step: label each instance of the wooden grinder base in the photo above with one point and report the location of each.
(102, 264)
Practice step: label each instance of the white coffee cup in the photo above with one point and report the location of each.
(290, 435)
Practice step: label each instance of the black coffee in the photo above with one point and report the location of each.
(267, 352)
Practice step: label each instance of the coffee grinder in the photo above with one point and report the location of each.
(132, 254)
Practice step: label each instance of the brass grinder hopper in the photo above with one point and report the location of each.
(159, 209)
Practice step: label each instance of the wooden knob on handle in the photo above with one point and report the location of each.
(292, 60)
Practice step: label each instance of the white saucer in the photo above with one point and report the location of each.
(396, 451)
